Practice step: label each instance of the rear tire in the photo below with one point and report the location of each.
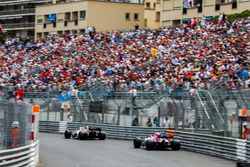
(176, 145)
(67, 134)
(102, 136)
(150, 145)
(137, 143)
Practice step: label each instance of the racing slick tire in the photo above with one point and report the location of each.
(67, 134)
(137, 143)
(176, 145)
(150, 145)
(101, 136)
(82, 136)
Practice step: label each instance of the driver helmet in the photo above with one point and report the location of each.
(157, 134)
(15, 124)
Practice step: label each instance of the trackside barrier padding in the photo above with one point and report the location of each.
(21, 156)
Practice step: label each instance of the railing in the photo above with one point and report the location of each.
(21, 156)
(18, 25)
(17, 12)
(231, 148)
(10, 2)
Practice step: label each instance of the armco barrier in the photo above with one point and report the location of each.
(27, 156)
(248, 149)
(231, 148)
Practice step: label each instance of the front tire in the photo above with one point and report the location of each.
(176, 145)
(137, 143)
(67, 134)
(102, 136)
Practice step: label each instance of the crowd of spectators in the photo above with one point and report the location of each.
(193, 55)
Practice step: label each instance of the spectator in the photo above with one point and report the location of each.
(149, 123)
(133, 93)
(190, 57)
(244, 135)
(166, 123)
(135, 122)
(156, 122)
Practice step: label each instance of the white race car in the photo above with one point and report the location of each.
(84, 133)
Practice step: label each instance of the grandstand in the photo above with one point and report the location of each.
(159, 64)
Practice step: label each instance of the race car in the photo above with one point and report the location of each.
(158, 141)
(85, 133)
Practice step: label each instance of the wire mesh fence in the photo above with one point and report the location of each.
(214, 110)
(15, 124)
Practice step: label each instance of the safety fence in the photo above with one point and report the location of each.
(19, 144)
(231, 148)
(27, 156)
(15, 124)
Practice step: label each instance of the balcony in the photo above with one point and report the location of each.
(16, 12)
(19, 26)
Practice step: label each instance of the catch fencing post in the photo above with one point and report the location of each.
(35, 122)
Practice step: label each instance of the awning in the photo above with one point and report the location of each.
(209, 17)
(52, 17)
(186, 20)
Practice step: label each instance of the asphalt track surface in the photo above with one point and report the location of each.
(55, 151)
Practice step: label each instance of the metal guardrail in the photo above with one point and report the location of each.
(231, 148)
(22, 156)
(248, 150)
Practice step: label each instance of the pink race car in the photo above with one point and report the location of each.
(158, 141)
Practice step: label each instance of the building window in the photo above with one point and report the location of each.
(44, 25)
(217, 7)
(83, 14)
(127, 16)
(200, 9)
(67, 16)
(65, 23)
(67, 32)
(147, 4)
(136, 16)
(45, 34)
(82, 31)
(39, 35)
(184, 11)
(59, 32)
(46, 17)
(157, 19)
(74, 32)
(74, 15)
(154, 5)
(234, 4)
(39, 21)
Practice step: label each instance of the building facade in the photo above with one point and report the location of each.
(152, 10)
(76, 17)
(173, 12)
(18, 16)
